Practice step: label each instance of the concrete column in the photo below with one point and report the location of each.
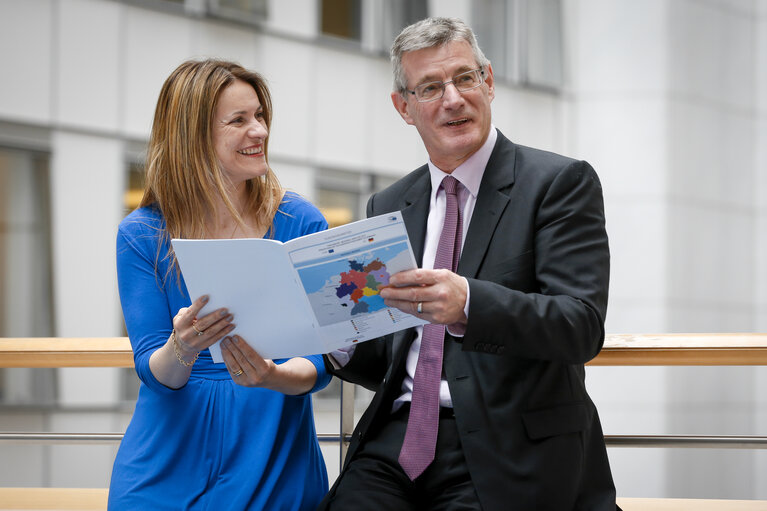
(665, 111)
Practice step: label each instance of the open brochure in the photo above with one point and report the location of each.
(310, 295)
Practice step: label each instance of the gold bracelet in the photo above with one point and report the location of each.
(178, 353)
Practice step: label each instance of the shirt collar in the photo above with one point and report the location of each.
(468, 173)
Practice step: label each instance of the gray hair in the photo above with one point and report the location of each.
(429, 33)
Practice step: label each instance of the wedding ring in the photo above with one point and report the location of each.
(237, 373)
(419, 309)
(199, 332)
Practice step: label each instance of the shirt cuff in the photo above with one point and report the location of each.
(459, 329)
(340, 357)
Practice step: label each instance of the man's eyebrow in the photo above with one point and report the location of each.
(433, 78)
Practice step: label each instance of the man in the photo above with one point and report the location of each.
(500, 418)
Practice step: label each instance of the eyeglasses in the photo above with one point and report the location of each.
(463, 82)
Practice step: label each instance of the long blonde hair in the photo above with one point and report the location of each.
(183, 175)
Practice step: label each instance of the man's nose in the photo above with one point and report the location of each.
(451, 94)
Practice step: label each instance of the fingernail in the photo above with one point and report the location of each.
(226, 341)
(205, 299)
(224, 312)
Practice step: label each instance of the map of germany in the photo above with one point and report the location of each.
(361, 285)
(348, 287)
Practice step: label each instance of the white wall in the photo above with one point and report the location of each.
(663, 101)
(760, 233)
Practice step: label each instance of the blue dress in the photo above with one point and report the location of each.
(212, 444)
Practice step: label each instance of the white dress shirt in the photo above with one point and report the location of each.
(469, 175)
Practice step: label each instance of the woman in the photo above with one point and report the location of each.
(232, 436)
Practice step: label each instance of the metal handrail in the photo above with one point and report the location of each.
(100, 438)
(688, 441)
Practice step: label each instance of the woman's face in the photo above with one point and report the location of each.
(239, 133)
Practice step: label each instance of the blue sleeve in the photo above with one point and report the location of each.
(145, 304)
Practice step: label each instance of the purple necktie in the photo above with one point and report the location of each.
(421, 435)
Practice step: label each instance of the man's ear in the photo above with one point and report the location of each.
(402, 106)
(489, 80)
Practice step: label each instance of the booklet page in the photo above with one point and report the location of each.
(310, 295)
(342, 271)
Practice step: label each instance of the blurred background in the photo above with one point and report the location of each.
(667, 99)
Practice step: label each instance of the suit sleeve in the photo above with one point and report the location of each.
(559, 316)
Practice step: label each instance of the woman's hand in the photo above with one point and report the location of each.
(196, 334)
(172, 363)
(249, 369)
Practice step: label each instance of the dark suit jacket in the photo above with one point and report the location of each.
(537, 261)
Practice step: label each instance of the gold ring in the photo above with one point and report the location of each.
(237, 373)
(199, 332)
(419, 309)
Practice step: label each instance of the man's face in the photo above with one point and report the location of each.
(456, 125)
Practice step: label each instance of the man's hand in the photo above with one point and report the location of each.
(439, 294)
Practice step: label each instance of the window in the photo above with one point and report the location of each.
(342, 195)
(249, 11)
(342, 18)
(26, 307)
(372, 24)
(242, 11)
(522, 39)
(135, 188)
(394, 15)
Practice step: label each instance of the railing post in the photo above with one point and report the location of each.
(347, 418)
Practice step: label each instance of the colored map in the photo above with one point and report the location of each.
(360, 286)
(344, 288)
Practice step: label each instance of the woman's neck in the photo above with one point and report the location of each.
(221, 224)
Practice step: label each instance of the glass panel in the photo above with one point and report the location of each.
(342, 18)
(135, 190)
(341, 195)
(491, 24)
(522, 39)
(339, 207)
(26, 308)
(544, 43)
(241, 10)
(398, 15)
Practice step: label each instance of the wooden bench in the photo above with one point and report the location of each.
(628, 504)
(81, 499)
(88, 499)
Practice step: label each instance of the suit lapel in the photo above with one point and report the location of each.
(415, 210)
(492, 199)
